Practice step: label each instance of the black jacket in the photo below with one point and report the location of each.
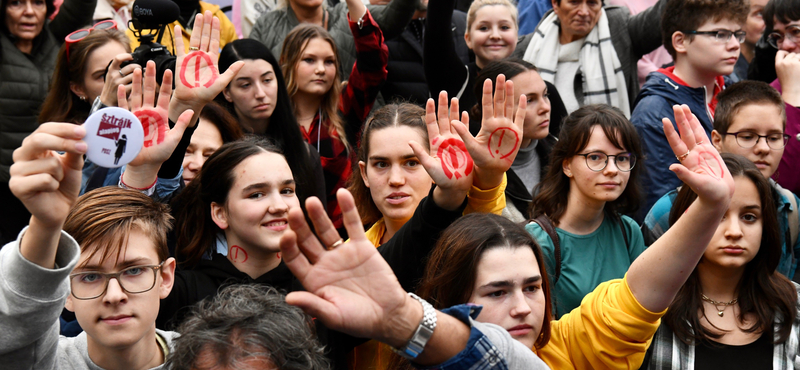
(517, 194)
(406, 80)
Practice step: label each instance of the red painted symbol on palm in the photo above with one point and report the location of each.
(154, 126)
(237, 254)
(503, 142)
(203, 72)
(454, 158)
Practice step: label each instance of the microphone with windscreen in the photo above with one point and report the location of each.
(154, 14)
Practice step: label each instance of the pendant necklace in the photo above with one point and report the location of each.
(720, 311)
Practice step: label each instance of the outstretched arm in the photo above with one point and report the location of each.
(352, 289)
(657, 275)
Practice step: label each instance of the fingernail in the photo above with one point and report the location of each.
(81, 146)
(80, 131)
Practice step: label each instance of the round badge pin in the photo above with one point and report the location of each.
(114, 137)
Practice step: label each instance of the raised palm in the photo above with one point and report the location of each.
(449, 162)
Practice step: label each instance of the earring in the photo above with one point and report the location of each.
(83, 98)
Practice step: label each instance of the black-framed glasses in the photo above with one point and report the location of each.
(776, 38)
(749, 139)
(597, 161)
(133, 280)
(722, 36)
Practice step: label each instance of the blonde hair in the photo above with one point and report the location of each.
(478, 4)
(293, 46)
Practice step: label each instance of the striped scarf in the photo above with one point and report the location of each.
(603, 80)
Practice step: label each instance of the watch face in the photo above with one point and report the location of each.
(114, 137)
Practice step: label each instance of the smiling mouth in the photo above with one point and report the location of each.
(276, 224)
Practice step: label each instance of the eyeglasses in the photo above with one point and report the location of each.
(133, 280)
(775, 39)
(749, 139)
(722, 36)
(597, 161)
(81, 34)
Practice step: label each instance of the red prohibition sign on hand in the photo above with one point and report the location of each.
(155, 129)
(455, 159)
(198, 57)
(237, 254)
(496, 142)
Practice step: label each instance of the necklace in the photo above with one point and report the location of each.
(717, 304)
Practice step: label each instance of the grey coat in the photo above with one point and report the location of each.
(273, 27)
(632, 37)
(25, 79)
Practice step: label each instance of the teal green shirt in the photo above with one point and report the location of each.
(588, 260)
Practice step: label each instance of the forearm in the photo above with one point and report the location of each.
(657, 275)
(444, 70)
(40, 243)
(394, 17)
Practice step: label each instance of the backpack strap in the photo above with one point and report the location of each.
(544, 222)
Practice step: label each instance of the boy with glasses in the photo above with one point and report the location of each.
(782, 18)
(703, 38)
(750, 122)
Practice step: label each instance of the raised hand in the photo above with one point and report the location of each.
(498, 142)
(448, 163)
(46, 182)
(350, 288)
(787, 67)
(701, 166)
(198, 79)
(159, 140)
(118, 76)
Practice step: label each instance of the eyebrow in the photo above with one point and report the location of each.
(264, 185)
(509, 283)
(122, 265)
(752, 206)
(379, 158)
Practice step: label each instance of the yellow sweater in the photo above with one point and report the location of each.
(610, 330)
(486, 201)
(227, 30)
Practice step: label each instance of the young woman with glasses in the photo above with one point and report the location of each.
(591, 182)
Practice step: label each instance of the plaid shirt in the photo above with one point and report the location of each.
(358, 95)
(667, 352)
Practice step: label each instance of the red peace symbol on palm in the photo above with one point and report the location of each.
(455, 159)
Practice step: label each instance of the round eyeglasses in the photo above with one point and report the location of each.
(597, 161)
(133, 280)
(749, 139)
(721, 36)
(792, 34)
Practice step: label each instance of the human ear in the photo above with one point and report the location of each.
(679, 41)
(77, 90)
(363, 168)
(227, 93)
(466, 39)
(716, 140)
(219, 215)
(167, 272)
(68, 303)
(566, 167)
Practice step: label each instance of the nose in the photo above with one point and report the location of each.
(789, 45)
(396, 177)
(114, 293)
(544, 106)
(320, 67)
(278, 205)
(611, 166)
(195, 161)
(260, 93)
(761, 146)
(732, 228)
(495, 33)
(583, 9)
(733, 43)
(520, 307)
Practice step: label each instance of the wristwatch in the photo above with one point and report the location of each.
(416, 345)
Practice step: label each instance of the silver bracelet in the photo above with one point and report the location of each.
(416, 345)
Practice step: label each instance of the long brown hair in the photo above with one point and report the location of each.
(61, 104)
(553, 191)
(294, 45)
(766, 295)
(392, 115)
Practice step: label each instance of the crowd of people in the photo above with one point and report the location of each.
(402, 184)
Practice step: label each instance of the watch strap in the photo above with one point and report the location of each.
(424, 331)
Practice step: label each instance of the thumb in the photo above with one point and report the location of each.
(429, 163)
(316, 307)
(226, 78)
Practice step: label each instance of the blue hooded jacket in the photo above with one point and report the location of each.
(660, 92)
